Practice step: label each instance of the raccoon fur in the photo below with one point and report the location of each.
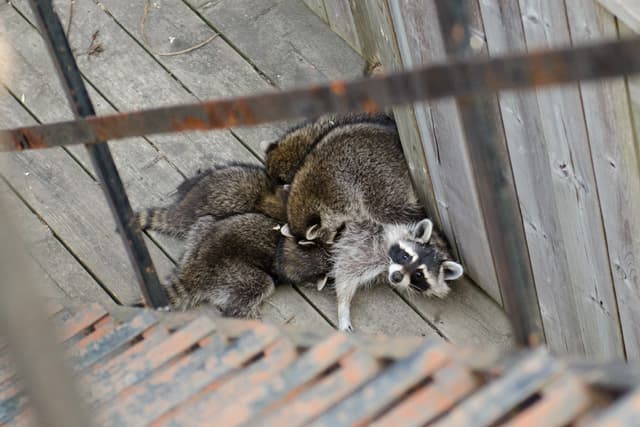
(219, 192)
(409, 257)
(303, 264)
(285, 156)
(355, 173)
(227, 264)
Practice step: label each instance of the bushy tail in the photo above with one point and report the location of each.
(160, 219)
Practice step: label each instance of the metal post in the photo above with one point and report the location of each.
(58, 45)
(495, 185)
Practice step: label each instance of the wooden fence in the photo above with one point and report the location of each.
(573, 156)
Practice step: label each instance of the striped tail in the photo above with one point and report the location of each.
(160, 219)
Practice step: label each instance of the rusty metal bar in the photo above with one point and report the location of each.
(103, 163)
(458, 78)
(494, 182)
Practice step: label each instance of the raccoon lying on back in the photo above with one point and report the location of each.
(219, 192)
(355, 173)
(410, 257)
(287, 154)
(228, 264)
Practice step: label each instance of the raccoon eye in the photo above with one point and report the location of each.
(405, 257)
(419, 275)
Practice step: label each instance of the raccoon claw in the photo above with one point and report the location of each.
(322, 283)
(346, 327)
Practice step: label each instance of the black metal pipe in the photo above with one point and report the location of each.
(101, 158)
(495, 185)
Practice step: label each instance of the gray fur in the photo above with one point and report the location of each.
(227, 264)
(355, 173)
(361, 257)
(219, 192)
(286, 155)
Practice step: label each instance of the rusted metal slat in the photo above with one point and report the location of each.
(101, 389)
(561, 403)
(153, 337)
(277, 358)
(458, 78)
(237, 410)
(449, 386)
(356, 369)
(362, 406)
(624, 413)
(111, 342)
(69, 328)
(490, 403)
(167, 389)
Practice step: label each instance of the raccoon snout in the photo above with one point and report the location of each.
(396, 277)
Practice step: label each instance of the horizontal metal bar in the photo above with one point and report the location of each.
(457, 78)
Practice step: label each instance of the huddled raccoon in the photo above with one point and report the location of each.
(334, 203)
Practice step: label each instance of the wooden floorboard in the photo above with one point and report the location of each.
(264, 45)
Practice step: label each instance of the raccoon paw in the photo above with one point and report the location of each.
(345, 326)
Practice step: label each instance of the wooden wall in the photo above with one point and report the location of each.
(573, 153)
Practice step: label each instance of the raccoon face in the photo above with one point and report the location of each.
(415, 265)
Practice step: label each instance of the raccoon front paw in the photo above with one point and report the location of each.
(345, 326)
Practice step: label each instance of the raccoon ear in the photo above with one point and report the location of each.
(452, 270)
(423, 230)
(313, 232)
(284, 230)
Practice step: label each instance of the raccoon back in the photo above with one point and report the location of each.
(285, 156)
(356, 171)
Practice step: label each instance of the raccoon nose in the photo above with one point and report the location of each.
(396, 277)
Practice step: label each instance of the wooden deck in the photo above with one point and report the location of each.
(263, 45)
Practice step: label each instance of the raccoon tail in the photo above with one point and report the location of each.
(160, 219)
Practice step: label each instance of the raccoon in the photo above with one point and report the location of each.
(228, 264)
(307, 264)
(219, 192)
(285, 156)
(355, 173)
(410, 257)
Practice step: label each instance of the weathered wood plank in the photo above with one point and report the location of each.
(628, 11)
(341, 21)
(214, 70)
(57, 272)
(573, 322)
(565, 229)
(125, 14)
(375, 310)
(317, 6)
(615, 161)
(53, 184)
(130, 79)
(467, 316)
(445, 151)
(283, 39)
(151, 180)
(378, 43)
